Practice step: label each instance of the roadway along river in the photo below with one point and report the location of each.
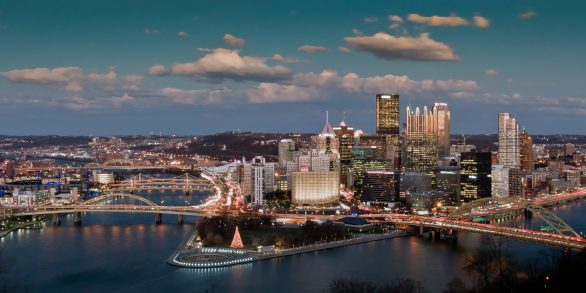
(121, 253)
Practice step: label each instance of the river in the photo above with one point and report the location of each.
(126, 252)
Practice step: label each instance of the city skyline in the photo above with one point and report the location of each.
(93, 68)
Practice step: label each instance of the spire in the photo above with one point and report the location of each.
(327, 130)
(236, 241)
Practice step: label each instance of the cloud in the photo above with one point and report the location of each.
(274, 93)
(357, 32)
(421, 48)
(281, 58)
(229, 64)
(481, 22)
(43, 75)
(395, 18)
(529, 14)
(159, 70)
(371, 19)
(196, 96)
(182, 34)
(438, 20)
(78, 102)
(343, 49)
(312, 49)
(234, 41)
(204, 49)
(354, 83)
(490, 72)
(74, 79)
(150, 31)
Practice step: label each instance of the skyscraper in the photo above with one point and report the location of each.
(257, 178)
(345, 135)
(286, 148)
(476, 175)
(441, 121)
(420, 142)
(509, 147)
(388, 122)
(326, 141)
(526, 151)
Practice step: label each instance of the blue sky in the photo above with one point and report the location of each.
(197, 67)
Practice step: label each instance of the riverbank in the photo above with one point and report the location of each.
(190, 256)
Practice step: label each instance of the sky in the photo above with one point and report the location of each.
(116, 67)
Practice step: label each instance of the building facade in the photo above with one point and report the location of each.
(441, 121)
(420, 142)
(475, 170)
(388, 115)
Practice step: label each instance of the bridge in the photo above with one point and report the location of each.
(185, 182)
(563, 235)
(115, 203)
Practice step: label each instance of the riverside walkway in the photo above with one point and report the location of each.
(189, 256)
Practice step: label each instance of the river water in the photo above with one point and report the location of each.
(127, 253)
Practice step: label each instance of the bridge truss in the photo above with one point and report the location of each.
(185, 182)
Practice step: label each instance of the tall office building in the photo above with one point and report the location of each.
(441, 121)
(384, 147)
(388, 113)
(345, 135)
(475, 170)
(365, 159)
(380, 187)
(420, 142)
(526, 151)
(257, 178)
(509, 146)
(315, 188)
(500, 181)
(326, 141)
(286, 149)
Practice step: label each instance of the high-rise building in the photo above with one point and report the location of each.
(500, 181)
(515, 182)
(509, 146)
(384, 147)
(441, 121)
(286, 149)
(380, 187)
(388, 122)
(315, 188)
(257, 178)
(345, 135)
(326, 141)
(365, 159)
(448, 181)
(420, 142)
(475, 169)
(526, 151)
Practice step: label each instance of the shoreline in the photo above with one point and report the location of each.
(213, 257)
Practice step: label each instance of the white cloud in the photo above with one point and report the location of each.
(229, 64)
(73, 86)
(274, 93)
(343, 49)
(312, 49)
(158, 70)
(529, 14)
(491, 72)
(150, 31)
(74, 79)
(281, 58)
(233, 40)
(421, 48)
(435, 20)
(196, 96)
(204, 49)
(357, 32)
(182, 34)
(44, 75)
(395, 18)
(481, 22)
(371, 19)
